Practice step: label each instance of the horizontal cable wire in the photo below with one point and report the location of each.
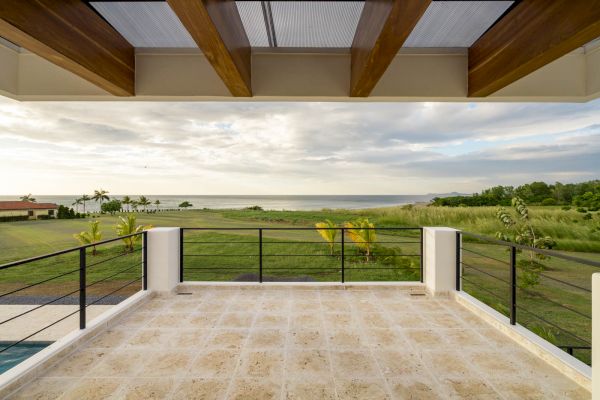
(485, 256)
(553, 324)
(558, 304)
(111, 258)
(113, 275)
(114, 291)
(566, 283)
(483, 272)
(39, 283)
(484, 289)
(38, 307)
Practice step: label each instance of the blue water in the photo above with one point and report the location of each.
(18, 353)
(293, 202)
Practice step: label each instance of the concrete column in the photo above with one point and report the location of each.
(440, 260)
(163, 259)
(596, 336)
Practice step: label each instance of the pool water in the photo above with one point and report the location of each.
(22, 351)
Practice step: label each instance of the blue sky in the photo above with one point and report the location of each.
(293, 148)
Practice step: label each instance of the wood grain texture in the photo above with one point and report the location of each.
(217, 28)
(383, 28)
(531, 35)
(69, 34)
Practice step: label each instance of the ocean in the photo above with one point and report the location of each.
(282, 202)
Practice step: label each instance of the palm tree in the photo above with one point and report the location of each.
(127, 226)
(127, 201)
(93, 236)
(28, 198)
(157, 204)
(362, 233)
(100, 195)
(134, 205)
(76, 203)
(328, 231)
(85, 198)
(143, 201)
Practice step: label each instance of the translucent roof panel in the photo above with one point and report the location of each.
(315, 23)
(145, 23)
(455, 23)
(254, 22)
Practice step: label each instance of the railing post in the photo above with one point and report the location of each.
(180, 255)
(421, 258)
(343, 267)
(458, 261)
(513, 285)
(145, 260)
(82, 286)
(260, 255)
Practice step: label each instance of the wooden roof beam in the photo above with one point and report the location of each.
(533, 34)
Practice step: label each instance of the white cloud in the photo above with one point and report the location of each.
(292, 148)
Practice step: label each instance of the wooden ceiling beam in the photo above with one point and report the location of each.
(216, 26)
(383, 28)
(533, 34)
(71, 35)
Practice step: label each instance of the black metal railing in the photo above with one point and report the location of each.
(300, 254)
(101, 273)
(546, 291)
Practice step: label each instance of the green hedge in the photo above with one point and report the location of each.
(14, 218)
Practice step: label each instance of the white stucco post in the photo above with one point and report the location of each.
(596, 336)
(440, 259)
(163, 259)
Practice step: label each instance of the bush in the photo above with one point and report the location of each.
(587, 216)
(566, 208)
(111, 207)
(254, 208)
(65, 213)
(549, 202)
(43, 217)
(14, 218)
(581, 210)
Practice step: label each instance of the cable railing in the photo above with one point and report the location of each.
(300, 254)
(39, 295)
(546, 291)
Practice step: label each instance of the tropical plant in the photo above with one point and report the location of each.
(111, 207)
(186, 204)
(94, 235)
(143, 201)
(100, 195)
(76, 203)
(127, 201)
(28, 198)
(134, 205)
(85, 198)
(328, 231)
(362, 233)
(157, 204)
(521, 231)
(127, 226)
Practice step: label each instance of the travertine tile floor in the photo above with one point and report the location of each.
(287, 343)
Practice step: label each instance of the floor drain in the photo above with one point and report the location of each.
(184, 293)
(417, 294)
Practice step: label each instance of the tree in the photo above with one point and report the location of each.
(94, 235)
(143, 201)
(85, 198)
(111, 207)
(127, 226)
(100, 195)
(76, 203)
(127, 201)
(328, 231)
(134, 205)
(361, 232)
(185, 204)
(157, 204)
(28, 198)
(521, 231)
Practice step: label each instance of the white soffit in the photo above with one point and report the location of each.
(315, 23)
(146, 23)
(455, 23)
(254, 23)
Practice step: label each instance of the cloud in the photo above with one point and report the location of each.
(285, 148)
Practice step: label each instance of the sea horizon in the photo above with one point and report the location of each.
(267, 202)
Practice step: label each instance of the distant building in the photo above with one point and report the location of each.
(22, 209)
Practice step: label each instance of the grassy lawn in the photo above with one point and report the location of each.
(304, 256)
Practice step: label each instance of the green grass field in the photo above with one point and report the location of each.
(303, 255)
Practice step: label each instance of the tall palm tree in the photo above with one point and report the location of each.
(100, 195)
(157, 204)
(134, 205)
(28, 198)
(144, 201)
(127, 201)
(76, 203)
(83, 199)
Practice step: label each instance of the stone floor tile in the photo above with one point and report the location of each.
(305, 320)
(261, 364)
(254, 389)
(346, 338)
(119, 364)
(166, 363)
(109, 339)
(354, 364)
(93, 389)
(227, 338)
(307, 362)
(267, 320)
(214, 364)
(395, 363)
(361, 389)
(306, 338)
(78, 363)
(201, 389)
(310, 390)
(146, 389)
(468, 388)
(44, 389)
(236, 320)
(266, 339)
(149, 338)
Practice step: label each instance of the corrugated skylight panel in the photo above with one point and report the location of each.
(254, 22)
(146, 23)
(315, 23)
(455, 23)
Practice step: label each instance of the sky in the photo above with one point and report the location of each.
(195, 148)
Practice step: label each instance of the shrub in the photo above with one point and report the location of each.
(255, 208)
(65, 213)
(43, 217)
(111, 207)
(13, 218)
(549, 202)
(566, 208)
(581, 210)
(587, 216)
